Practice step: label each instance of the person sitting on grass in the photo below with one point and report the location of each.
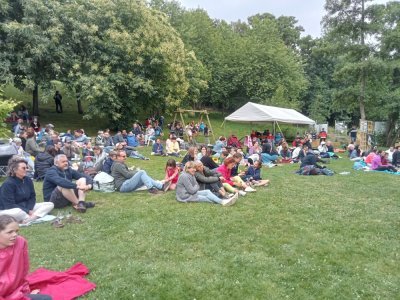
(43, 162)
(59, 189)
(353, 154)
(14, 266)
(396, 157)
(158, 148)
(31, 146)
(18, 197)
(285, 153)
(253, 175)
(108, 162)
(172, 146)
(210, 180)
(208, 161)
(191, 155)
(268, 154)
(188, 190)
(232, 184)
(376, 163)
(171, 174)
(130, 180)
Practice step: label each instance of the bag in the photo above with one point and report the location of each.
(104, 183)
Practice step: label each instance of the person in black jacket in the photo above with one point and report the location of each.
(43, 161)
(59, 188)
(17, 194)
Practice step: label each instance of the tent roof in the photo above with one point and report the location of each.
(257, 113)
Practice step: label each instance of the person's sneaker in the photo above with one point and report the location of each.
(249, 189)
(166, 186)
(242, 193)
(89, 204)
(230, 201)
(154, 191)
(81, 207)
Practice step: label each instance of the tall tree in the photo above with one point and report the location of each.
(32, 52)
(351, 26)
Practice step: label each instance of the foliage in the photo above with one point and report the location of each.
(6, 106)
(246, 61)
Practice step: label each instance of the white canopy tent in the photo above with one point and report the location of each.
(258, 113)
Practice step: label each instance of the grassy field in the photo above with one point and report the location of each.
(303, 237)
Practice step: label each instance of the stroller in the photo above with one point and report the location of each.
(6, 152)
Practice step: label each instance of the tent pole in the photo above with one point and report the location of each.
(280, 130)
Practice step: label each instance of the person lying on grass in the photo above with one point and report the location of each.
(188, 189)
(59, 188)
(130, 180)
(18, 197)
(14, 266)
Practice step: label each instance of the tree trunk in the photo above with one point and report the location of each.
(35, 100)
(79, 103)
(391, 132)
(362, 85)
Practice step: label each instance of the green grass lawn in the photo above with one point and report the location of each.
(303, 237)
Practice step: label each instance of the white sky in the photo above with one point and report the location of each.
(309, 13)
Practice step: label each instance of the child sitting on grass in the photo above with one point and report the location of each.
(253, 175)
(171, 174)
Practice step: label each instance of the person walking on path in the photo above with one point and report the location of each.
(57, 98)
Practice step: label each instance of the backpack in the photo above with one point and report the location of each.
(103, 182)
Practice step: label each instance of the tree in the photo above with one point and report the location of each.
(32, 52)
(351, 27)
(6, 106)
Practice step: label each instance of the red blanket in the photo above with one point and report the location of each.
(66, 285)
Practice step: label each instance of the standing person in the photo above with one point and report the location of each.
(18, 197)
(14, 266)
(57, 98)
(187, 189)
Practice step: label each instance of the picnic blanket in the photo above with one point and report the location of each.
(66, 285)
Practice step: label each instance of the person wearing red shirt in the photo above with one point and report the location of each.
(14, 263)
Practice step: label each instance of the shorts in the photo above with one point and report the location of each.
(59, 200)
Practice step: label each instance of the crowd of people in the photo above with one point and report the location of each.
(218, 173)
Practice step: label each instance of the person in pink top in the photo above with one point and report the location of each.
(377, 165)
(14, 263)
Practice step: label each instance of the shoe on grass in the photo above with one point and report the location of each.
(166, 186)
(230, 201)
(249, 189)
(242, 193)
(154, 191)
(89, 204)
(80, 207)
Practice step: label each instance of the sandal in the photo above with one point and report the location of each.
(57, 223)
(73, 220)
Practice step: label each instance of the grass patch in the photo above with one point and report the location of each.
(301, 238)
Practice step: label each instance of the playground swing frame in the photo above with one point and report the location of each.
(201, 112)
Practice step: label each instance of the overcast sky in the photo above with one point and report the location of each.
(309, 13)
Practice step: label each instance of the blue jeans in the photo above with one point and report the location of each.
(139, 179)
(267, 158)
(207, 196)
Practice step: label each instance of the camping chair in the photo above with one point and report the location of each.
(6, 152)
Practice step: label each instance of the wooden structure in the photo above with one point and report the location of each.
(365, 134)
(202, 114)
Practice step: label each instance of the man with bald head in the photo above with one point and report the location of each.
(59, 188)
